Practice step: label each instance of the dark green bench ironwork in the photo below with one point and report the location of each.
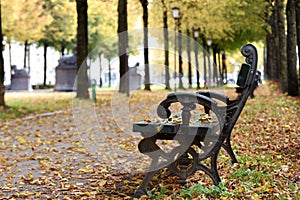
(185, 159)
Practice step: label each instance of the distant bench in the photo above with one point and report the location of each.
(198, 141)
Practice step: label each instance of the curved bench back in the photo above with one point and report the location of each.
(247, 80)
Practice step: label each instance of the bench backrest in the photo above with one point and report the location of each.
(243, 75)
(247, 75)
(247, 79)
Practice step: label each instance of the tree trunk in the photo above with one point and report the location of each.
(220, 68)
(2, 88)
(271, 68)
(189, 58)
(273, 47)
(276, 45)
(204, 59)
(123, 44)
(146, 53)
(25, 53)
(224, 68)
(166, 46)
(81, 49)
(45, 63)
(215, 70)
(180, 59)
(197, 62)
(62, 50)
(209, 65)
(28, 58)
(282, 45)
(100, 64)
(297, 7)
(293, 88)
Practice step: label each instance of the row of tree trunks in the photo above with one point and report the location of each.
(281, 63)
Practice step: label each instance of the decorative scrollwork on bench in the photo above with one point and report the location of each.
(197, 142)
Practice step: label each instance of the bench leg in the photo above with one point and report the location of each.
(142, 189)
(214, 168)
(212, 172)
(227, 146)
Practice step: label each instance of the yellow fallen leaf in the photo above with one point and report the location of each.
(102, 183)
(104, 170)
(85, 171)
(21, 140)
(71, 186)
(140, 170)
(241, 190)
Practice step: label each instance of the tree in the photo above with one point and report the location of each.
(297, 8)
(166, 44)
(146, 50)
(109, 49)
(293, 88)
(45, 63)
(282, 46)
(82, 49)
(229, 24)
(123, 45)
(270, 68)
(189, 58)
(2, 88)
(180, 69)
(30, 24)
(102, 25)
(61, 33)
(8, 20)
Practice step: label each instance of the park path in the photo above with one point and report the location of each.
(65, 154)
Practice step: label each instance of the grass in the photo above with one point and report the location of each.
(21, 104)
(213, 192)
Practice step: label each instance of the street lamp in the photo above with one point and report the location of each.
(196, 35)
(209, 42)
(175, 13)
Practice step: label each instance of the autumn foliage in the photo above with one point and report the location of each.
(45, 156)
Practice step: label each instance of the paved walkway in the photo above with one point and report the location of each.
(65, 154)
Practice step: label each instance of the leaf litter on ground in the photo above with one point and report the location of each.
(89, 153)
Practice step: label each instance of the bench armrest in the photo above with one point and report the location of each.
(215, 95)
(184, 98)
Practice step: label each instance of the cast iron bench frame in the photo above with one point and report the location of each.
(227, 113)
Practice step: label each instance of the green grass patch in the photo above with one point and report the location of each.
(31, 103)
(199, 190)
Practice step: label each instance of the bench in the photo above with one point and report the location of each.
(199, 142)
